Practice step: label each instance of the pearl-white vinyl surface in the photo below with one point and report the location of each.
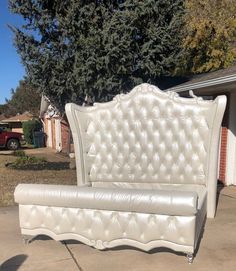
(147, 138)
(147, 163)
(105, 228)
(159, 201)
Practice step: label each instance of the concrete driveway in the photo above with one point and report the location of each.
(217, 248)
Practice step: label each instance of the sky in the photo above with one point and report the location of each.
(11, 69)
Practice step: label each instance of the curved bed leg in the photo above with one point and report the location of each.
(27, 239)
(190, 258)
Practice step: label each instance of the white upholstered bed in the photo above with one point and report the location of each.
(146, 170)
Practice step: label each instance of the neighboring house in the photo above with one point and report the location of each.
(2, 117)
(15, 123)
(55, 126)
(210, 85)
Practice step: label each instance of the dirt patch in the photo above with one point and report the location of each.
(57, 171)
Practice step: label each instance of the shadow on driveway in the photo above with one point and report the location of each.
(14, 263)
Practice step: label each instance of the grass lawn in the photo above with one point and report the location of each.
(56, 171)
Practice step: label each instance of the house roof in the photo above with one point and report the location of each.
(2, 117)
(217, 78)
(19, 118)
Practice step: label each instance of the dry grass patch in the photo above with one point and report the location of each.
(54, 171)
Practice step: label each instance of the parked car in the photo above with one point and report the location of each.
(10, 140)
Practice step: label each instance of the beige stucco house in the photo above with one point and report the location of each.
(15, 123)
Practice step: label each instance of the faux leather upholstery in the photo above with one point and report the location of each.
(105, 228)
(147, 162)
(146, 137)
(165, 202)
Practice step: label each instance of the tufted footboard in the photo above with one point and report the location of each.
(106, 218)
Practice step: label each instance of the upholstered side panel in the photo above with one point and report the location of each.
(146, 136)
(103, 229)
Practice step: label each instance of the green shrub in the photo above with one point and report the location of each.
(19, 153)
(29, 128)
(27, 162)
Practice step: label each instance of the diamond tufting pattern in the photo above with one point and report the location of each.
(105, 225)
(147, 138)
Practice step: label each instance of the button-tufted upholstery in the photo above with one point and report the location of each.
(146, 138)
(146, 170)
(142, 230)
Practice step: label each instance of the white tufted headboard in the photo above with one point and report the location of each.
(147, 136)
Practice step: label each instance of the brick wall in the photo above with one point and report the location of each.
(65, 138)
(65, 132)
(223, 146)
(53, 133)
(223, 151)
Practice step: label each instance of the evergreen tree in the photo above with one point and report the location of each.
(24, 98)
(3, 109)
(210, 35)
(74, 48)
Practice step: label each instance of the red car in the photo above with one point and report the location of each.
(10, 140)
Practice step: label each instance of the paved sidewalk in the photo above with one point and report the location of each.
(217, 249)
